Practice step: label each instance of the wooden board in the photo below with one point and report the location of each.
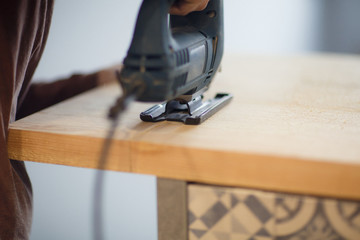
(293, 126)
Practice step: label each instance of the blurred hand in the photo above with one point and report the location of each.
(184, 7)
(108, 75)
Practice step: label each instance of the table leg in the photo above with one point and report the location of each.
(172, 209)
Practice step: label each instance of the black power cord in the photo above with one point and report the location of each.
(115, 114)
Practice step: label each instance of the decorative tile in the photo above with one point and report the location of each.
(257, 208)
(344, 217)
(214, 214)
(221, 213)
(299, 217)
(293, 213)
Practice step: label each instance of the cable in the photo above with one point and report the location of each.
(99, 183)
(114, 115)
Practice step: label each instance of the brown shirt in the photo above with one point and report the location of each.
(24, 26)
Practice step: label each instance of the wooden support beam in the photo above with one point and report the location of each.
(172, 209)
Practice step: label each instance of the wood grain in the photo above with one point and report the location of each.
(293, 126)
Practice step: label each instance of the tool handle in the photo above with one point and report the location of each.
(176, 57)
(209, 22)
(153, 36)
(152, 33)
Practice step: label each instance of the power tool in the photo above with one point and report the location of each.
(174, 59)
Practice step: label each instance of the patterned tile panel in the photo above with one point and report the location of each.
(221, 213)
(217, 213)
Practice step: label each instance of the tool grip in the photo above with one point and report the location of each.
(153, 36)
(168, 59)
(152, 33)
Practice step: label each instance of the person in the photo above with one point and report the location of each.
(24, 26)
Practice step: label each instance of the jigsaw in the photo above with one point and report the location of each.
(173, 59)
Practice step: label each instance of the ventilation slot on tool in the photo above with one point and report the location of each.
(182, 57)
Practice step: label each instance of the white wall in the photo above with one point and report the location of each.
(88, 35)
(270, 27)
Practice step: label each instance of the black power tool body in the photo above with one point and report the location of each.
(173, 60)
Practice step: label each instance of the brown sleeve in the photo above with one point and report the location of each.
(43, 95)
(24, 27)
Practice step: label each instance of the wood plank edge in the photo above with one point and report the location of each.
(236, 169)
(77, 151)
(273, 173)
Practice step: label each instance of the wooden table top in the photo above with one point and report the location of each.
(293, 126)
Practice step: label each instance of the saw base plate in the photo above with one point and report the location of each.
(193, 112)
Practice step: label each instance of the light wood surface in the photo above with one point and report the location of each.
(293, 126)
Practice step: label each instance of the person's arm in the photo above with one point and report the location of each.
(41, 95)
(184, 7)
